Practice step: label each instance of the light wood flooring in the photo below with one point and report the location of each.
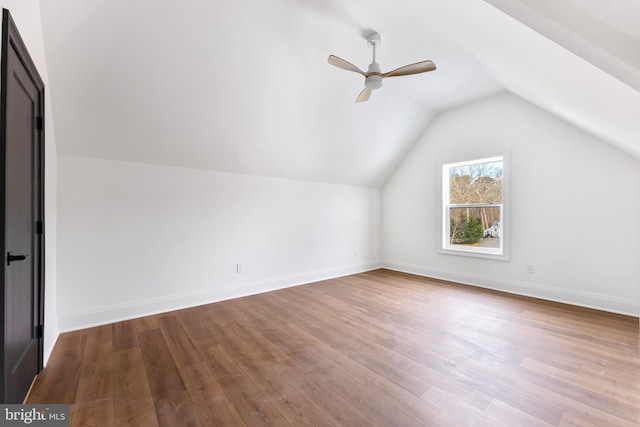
(375, 349)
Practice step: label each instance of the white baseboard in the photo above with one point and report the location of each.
(568, 296)
(97, 316)
(51, 333)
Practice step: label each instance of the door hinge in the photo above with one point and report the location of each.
(39, 123)
(39, 227)
(38, 332)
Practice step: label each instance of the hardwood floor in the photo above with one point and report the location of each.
(375, 349)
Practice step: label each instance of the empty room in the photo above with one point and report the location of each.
(321, 213)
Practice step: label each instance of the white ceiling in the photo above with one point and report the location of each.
(243, 86)
(605, 33)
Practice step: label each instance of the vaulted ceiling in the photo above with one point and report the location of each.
(244, 86)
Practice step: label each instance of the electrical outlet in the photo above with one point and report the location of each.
(239, 268)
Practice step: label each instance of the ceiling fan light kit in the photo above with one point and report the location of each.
(374, 81)
(373, 77)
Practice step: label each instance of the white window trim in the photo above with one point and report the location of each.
(445, 247)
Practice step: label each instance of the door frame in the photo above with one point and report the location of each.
(11, 39)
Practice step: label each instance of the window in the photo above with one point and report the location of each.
(473, 218)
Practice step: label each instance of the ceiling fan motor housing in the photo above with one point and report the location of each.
(373, 81)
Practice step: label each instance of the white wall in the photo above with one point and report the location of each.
(26, 15)
(137, 239)
(574, 200)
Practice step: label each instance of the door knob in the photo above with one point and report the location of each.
(11, 258)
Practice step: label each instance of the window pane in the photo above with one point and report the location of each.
(475, 227)
(476, 183)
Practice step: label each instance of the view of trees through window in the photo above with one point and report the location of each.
(475, 204)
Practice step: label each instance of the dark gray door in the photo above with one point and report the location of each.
(21, 144)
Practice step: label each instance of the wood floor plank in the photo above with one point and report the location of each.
(253, 402)
(133, 401)
(143, 324)
(295, 407)
(388, 393)
(124, 336)
(602, 387)
(93, 413)
(335, 407)
(461, 411)
(514, 416)
(380, 348)
(191, 321)
(171, 399)
(388, 362)
(506, 383)
(594, 417)
(58, 382)
(96, 374)
(182, 349)
(571, 420)
(214, 407)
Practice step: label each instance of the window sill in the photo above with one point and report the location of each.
(474, 254)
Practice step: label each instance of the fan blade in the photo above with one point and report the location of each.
(417, 68)
(345, 65)
(364, 95)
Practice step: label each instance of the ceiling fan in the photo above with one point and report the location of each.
(373, 76)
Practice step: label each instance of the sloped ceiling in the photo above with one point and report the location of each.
(605, 33)
(243, 86)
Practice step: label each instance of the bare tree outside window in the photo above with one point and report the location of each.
(473, 205)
